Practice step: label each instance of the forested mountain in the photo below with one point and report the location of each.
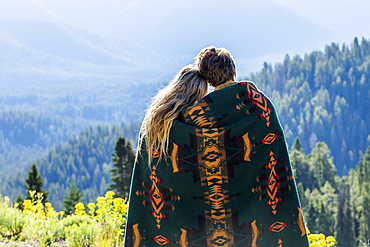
(324, 96)
(25, 136)
(85, 159)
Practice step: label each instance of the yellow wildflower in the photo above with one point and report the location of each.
(39, 195)
(40, 213)
(79, 206)
(39, 206)
(48, 205)
(27, 203)
(91, 205)
(101, 199)
(307, 230)
(117, 202)
(313, 237)
(61, 213)
(330, 239)
(321, 236)
(109, 194)
(16, 205)
(32, 193)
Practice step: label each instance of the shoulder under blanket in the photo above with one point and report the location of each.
(227, 179)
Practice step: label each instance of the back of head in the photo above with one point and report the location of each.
(185, 88)
(216, 65)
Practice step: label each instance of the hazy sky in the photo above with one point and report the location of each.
(148, 21)
(350, 17)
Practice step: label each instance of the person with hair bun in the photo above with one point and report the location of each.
(213, 169)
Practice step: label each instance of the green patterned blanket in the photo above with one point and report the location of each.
(227, 179)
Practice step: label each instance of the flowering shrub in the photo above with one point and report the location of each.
(108, 221)
(102, 225)
(12, 220)
(41, 220)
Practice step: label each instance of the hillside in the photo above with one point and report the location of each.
(324, 96)
(85, 159)
(27, 135)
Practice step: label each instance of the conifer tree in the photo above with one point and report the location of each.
(123, 160)
(34, 182)
(297, 145)
(74, 197)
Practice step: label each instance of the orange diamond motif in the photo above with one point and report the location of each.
(161, 240)
(277, 226)
(257, 98)
(270, 138)
(154, 153)
(273, 184)
(156, 198)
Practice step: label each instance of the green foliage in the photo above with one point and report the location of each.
(104, 226)
(81, 235)
(34, 183)
(12, 219)
(324, 96)
(123, 160)
(74, 197)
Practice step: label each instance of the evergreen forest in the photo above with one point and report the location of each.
(324, 96)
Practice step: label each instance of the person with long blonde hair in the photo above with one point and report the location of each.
(183, 90)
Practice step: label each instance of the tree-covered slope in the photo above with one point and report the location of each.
(85, 159)
(25, 136)
(324, 96)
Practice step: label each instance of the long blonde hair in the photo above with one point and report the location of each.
(183, 90)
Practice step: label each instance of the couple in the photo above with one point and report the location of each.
(213, 169)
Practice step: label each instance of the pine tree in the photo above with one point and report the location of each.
(123, 160)
(297, 145)
(34, 183)
(74, 197)
(322, 166)
(300, 167)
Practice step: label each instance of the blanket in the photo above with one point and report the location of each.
(226, 180)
